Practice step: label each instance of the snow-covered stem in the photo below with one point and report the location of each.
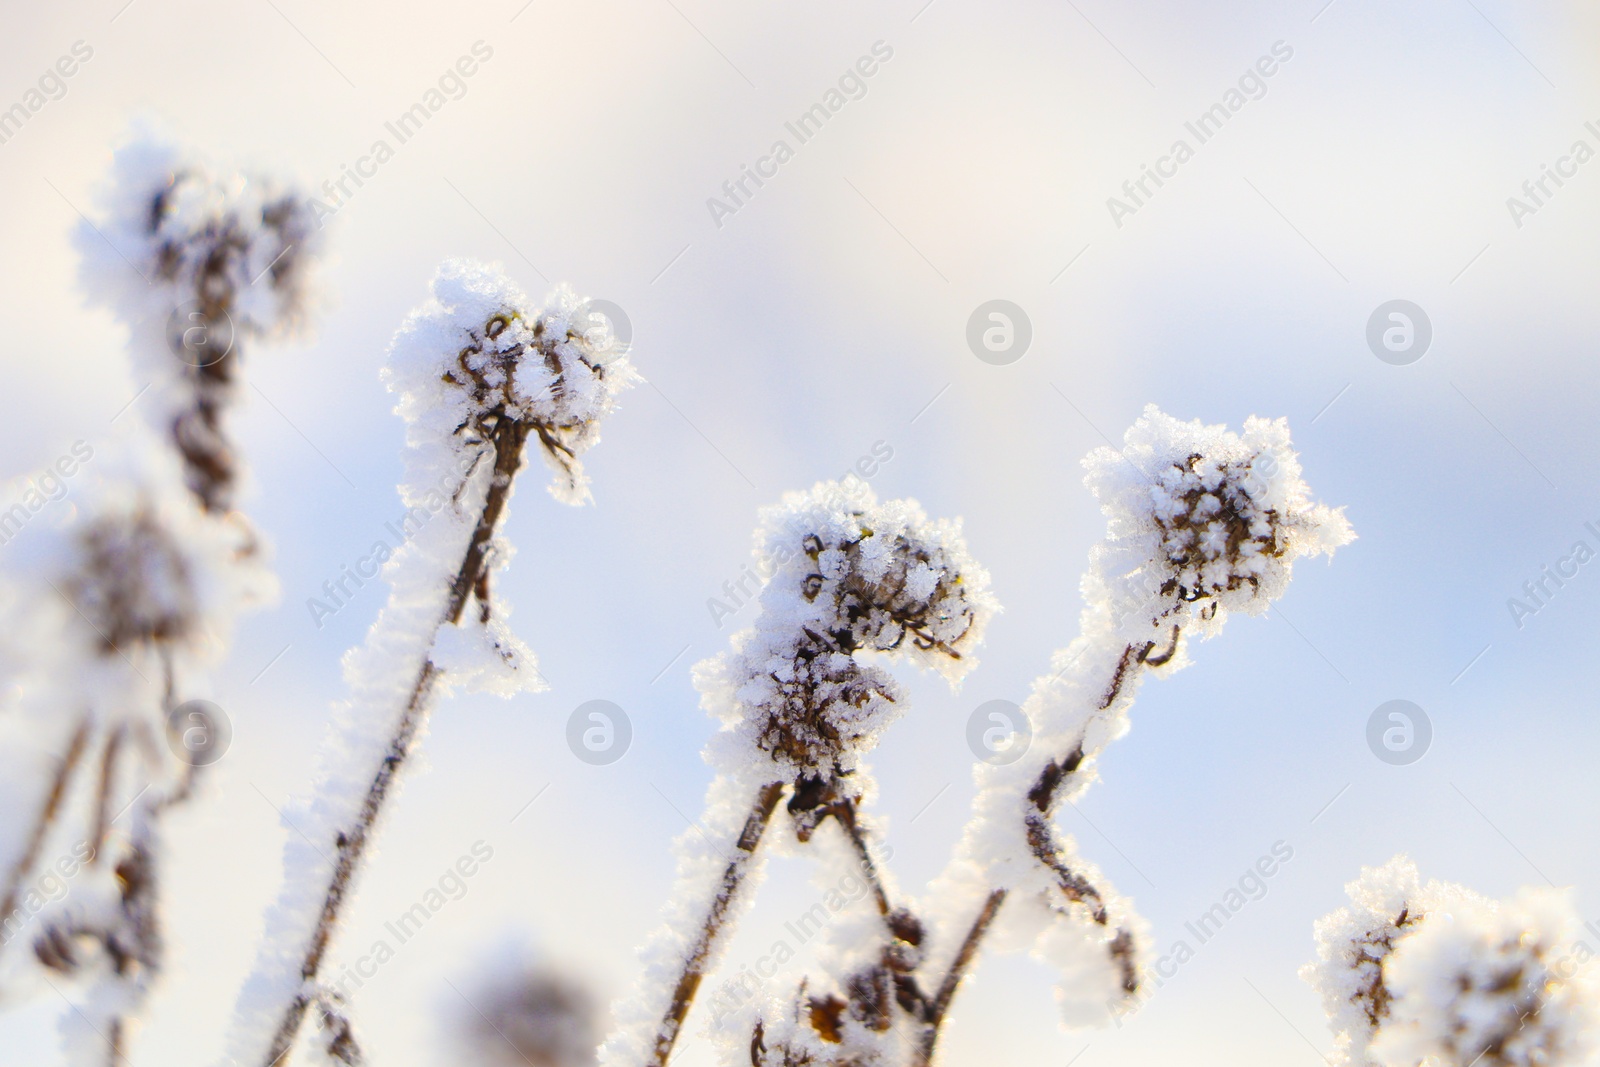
(351, 842)
(1202, 523)
(846, 813)
(480, 373)
(939, 1007)
(697, 959)
(800, 708)
(49, 811)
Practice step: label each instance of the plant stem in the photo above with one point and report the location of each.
(845, 813)
(351, 843)
(937, 1010)
(694, 964)
(41, 827)
(1038, 821)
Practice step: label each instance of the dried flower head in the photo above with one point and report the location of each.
(848, 576)
(1434, 974)
(1495, 986)
(1353, 943)
(1203, 521)
(195, 257)
(133, 582)
(240, 245)
(479, 359)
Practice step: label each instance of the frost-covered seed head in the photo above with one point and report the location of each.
(1495, 986)
(240, 246)
(214, 239)
(1434, 974)
(480, 354)
(1203, 521)
(133, 582)
(851, 576)
(1353, 943)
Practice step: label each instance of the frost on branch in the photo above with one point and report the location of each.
(1437, 975)
(850, 576)
(194, 258)
(802, 697)
(479, 372)
(1201, 522)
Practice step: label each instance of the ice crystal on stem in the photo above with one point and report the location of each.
(1201, 522)
(801, 703)
(1438, 976)
(479, 371)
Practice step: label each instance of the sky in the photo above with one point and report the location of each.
(826, 316)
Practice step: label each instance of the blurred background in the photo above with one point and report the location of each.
(828, 315)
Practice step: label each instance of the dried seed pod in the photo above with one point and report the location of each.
(850, 575)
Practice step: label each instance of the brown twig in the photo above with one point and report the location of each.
(102, 804)
(508, 437)
(940, 1005)
(818, 798)
(688, 983)
(41, 826)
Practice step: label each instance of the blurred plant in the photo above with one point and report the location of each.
(194, 258)
(531, 1015)
(479, 372)
(1202, 523)
(1436, 975)
(112, 621)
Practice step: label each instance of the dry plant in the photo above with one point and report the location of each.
(1432, 973)
(480, 372)
(1202, 523)
(114, 616)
